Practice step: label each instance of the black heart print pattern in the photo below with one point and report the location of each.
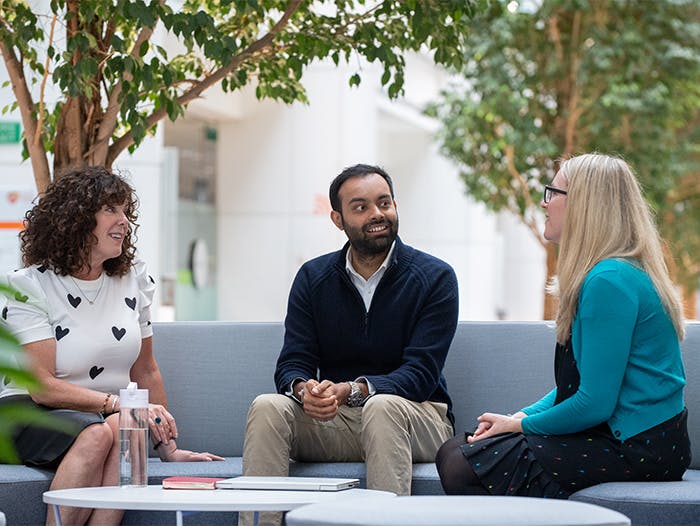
(131, 303)
(61, 332)
(42, 268)
(74, 301)
(4, 313)
(118, 333)
(94, 371)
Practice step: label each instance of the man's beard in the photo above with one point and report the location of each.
(372, 245)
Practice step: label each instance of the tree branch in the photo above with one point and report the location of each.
(37, 153)
(529, 204)
(574, 96)
(100, 149)
(128, 138)
(553, 25)
(341, 30)
(515, 174)
(40, 124)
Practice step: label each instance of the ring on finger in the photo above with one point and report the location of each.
(157, 420)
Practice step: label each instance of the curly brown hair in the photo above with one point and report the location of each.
(59, 228)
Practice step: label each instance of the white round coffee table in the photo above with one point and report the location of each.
(158, 499)
(456, 511)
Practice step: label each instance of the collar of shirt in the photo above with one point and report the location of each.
(366, 287)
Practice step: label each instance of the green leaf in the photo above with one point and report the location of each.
(386, 76)
(21, 297)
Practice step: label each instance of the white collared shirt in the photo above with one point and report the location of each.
(366, 287)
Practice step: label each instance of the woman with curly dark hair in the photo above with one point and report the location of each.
(83, 315)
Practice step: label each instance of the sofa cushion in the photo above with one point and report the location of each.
(212, 371)
(650, 503)
(21, 489)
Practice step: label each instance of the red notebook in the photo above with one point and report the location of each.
(190, 482)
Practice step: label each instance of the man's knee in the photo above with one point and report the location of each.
(270, 403)
(384, 404)
(269, 410)
(385, 411)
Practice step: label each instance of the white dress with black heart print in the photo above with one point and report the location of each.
(98, 325)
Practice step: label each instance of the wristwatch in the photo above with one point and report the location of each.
(356, 398)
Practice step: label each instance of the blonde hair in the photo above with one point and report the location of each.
(607, 217)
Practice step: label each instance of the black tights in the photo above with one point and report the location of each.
(456, 474)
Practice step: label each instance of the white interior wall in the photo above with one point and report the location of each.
(437, 217)
(275, 168)
(524, 271)
(276, 163)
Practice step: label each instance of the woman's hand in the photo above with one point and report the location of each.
(491, 424)
(185, 455)
(161, 423)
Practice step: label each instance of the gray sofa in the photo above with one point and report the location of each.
(213, 370)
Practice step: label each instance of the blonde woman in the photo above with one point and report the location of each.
(617, 411)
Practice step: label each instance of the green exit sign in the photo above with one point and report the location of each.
(10, 132)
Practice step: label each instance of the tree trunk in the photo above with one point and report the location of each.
(550, 302)
(70, 142)
(37, 153)
(690, 303)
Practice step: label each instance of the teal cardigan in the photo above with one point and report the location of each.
(628, 356)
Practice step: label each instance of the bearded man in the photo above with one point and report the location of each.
(367, 331)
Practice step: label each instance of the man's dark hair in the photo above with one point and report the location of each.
(358, 170)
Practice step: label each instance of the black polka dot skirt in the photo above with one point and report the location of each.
(557, 466)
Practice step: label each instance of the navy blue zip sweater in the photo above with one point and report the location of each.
(399, 345)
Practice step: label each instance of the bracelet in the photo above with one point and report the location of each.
(104, 405)
(114, 404)
(157, 445)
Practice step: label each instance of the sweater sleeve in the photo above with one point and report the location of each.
(424, 355)
(542, 404)
(299, 355)
(605, 321)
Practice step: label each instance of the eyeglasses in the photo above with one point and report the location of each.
(549, 192)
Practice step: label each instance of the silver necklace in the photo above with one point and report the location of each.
(82, 292)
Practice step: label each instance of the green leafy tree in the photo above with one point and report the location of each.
(116, 81)
(559, 77)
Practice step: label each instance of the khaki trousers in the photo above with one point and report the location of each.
(388, 433)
